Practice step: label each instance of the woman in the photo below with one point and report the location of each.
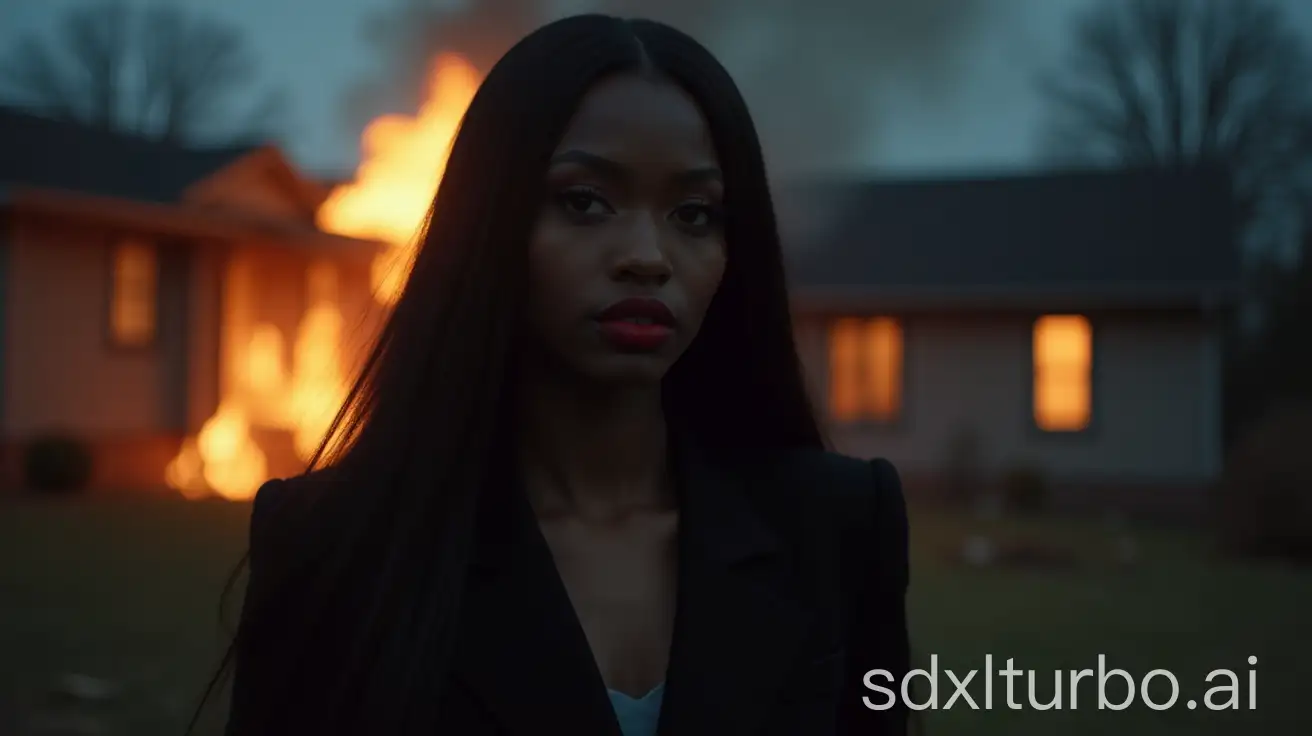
(579, 487)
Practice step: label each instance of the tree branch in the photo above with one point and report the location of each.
(158, 72)
(1168, 83)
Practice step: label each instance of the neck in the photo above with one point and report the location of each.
(593, 451)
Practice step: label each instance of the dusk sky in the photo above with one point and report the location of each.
(980, 112)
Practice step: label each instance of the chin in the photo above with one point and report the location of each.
(633, 368)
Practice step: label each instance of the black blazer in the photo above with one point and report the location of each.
(792, 574)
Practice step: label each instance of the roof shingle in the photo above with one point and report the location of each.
(1088, 229)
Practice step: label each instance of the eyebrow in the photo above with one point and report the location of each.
(615, 169)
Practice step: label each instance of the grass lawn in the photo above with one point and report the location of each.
(128, 591)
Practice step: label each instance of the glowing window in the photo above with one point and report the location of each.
(133, 297)
(865, 369)
(1063, 373)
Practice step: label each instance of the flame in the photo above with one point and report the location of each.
(318, 384)
(404, 158)
(264, 359)
(186, 471)
(223, 458)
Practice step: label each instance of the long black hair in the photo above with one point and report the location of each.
(359, 611)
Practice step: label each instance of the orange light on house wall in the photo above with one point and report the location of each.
(865, 369)
(318, 383)
(1063, 373)
(264, 360)
(260, 390)
(404, 158)
(222, 459)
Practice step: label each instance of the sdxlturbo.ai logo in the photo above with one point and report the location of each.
(1226, 695)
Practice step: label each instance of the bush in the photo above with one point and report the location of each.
(57, 464)
(1024, 489)
(1264, 499)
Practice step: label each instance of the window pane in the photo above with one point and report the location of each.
(883, 364)
(845, 369)
(1063, 362)
(132, 303)
(865, 369)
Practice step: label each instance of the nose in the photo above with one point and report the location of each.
(641, 254)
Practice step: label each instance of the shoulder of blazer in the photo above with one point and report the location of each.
(280, 536)
(860, 501)
(854, 488)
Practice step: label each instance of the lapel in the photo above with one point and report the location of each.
(523, 653)
(521, 648)
(738, 623)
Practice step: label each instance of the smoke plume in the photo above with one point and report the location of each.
(816, 73)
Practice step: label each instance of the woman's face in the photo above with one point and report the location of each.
(628, 249)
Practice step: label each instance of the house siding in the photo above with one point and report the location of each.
(63, 376)
(56, 306)
(57, 338)
(1156, 408)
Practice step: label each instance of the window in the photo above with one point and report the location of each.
(132, 306)
(1063, 373)
(865, 369)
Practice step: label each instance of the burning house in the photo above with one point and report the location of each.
(178, 310)
(194, 316)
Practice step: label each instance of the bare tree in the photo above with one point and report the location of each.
(157, 71)
(1178, 82)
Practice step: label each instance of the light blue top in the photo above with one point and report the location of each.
(638, 716)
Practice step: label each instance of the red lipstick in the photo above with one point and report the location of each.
(637, 325)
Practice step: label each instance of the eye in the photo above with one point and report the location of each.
(583, 202)
(697, 215)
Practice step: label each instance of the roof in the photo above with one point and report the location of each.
(58, 168)
(42, 152)
(1132, 233)
(187, 225)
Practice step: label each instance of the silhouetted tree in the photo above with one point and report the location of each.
(1176, 82)
(159, 72)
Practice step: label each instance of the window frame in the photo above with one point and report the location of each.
(113, 338)
(1095, 351)
(865, 420)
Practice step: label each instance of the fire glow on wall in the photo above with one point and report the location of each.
(402, 164)
(258, 389)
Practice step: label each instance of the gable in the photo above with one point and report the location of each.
(260, 183)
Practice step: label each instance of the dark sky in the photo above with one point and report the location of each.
(959, 97)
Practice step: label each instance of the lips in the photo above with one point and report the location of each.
(638, 311)
(637, 325)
